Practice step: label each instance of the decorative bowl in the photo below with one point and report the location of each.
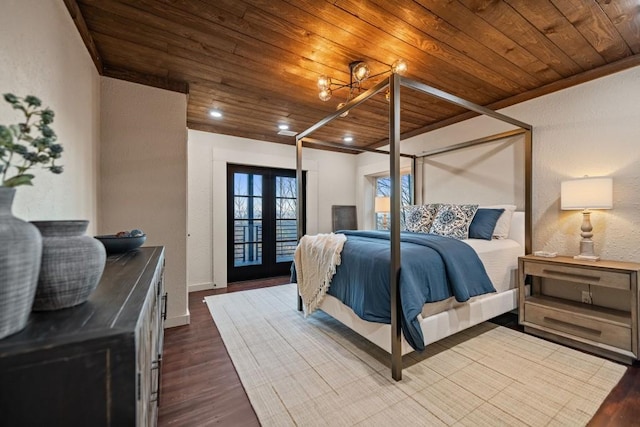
(117, 245)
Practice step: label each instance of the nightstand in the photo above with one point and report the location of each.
(589, 305)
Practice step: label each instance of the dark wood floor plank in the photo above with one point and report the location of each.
(200, 386)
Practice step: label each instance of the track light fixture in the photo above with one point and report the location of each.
(359, 72)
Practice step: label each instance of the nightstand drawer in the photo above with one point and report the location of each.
(593, 329)
(610, 279)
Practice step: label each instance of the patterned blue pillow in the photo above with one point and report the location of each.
(453, 220)
(484, 222)
(418, 218)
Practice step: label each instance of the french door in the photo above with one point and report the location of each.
(261, 221)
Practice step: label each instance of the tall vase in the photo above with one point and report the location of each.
(72, 265)
(20, 254)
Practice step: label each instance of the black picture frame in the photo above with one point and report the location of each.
(344, 217)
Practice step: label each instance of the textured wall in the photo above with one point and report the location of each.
(42, 54)
(330, 181)
(144, 175)
(590, 129)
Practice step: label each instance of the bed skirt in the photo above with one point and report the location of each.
(434, 327)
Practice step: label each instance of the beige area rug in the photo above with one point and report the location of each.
(317, 372)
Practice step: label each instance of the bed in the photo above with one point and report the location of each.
(441, 319)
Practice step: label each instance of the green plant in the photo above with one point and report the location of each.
(27, 144)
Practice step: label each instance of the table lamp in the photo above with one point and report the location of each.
(585, 194)
(383, 206)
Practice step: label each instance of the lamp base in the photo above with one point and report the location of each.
(586, 250)
(587, 257)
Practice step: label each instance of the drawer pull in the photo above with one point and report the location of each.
(163, 314)
(583, 329)
(572, 275)
(156, 365)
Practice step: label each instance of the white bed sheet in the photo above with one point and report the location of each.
(500, 260)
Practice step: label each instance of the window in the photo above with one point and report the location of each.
(383, 189)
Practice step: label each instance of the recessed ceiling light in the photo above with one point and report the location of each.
(215, 113)
(283, 127)
(347, 139)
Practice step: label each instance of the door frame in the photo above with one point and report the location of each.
(258, 271)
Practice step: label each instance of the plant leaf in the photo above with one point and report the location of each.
(6, 137)
(18, 180)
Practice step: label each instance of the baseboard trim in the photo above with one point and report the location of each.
(201, 287)
(172, 322)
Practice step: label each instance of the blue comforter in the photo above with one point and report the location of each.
(433, 268)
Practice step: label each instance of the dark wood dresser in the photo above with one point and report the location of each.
(97, 364)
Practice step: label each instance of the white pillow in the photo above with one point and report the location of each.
(504, 222)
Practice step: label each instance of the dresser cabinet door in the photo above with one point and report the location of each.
(149, 352)
(46, 392)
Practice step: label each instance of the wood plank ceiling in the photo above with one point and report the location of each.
(257, 61)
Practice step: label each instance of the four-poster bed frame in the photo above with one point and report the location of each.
(394, 83)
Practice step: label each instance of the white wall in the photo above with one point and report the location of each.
(590, 129)
(330, 181)
(144, 175)
(42, 54)
(487, 174)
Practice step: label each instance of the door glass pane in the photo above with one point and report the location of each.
(241, 184)
(286, 187)
(247, 207)
(247, 184)
(286, 224)
(285, 250)
(247, 254)
(247, 221)
(286, 208)
(240, 207)
(247, 231)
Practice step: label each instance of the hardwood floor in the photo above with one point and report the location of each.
(200, 386)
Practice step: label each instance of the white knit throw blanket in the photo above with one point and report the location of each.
(316, 259)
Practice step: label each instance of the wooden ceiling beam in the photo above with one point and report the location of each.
(81, 25)
(147, 79)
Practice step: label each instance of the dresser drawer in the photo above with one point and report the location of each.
(611, 279)
(596, 330)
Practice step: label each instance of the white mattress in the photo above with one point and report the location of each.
(500, 259)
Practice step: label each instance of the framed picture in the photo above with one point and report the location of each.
(344, 218)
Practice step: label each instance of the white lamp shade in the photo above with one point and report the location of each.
(587, 193)
(382, 204)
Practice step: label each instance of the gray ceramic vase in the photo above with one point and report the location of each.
(20, 252)
(72, 265)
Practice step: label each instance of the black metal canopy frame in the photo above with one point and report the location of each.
(394, 83)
